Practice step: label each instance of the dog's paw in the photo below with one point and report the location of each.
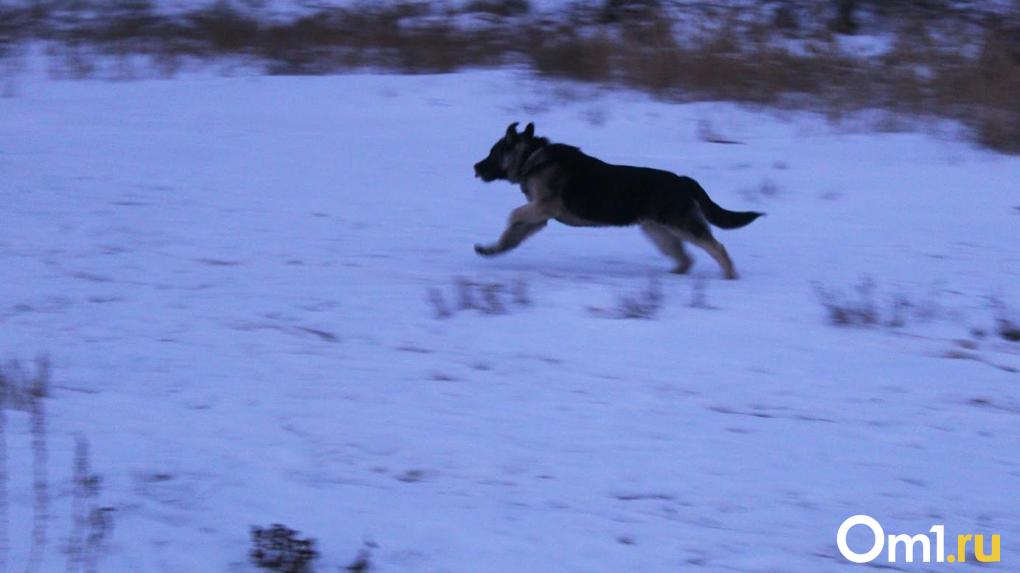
(484, 251)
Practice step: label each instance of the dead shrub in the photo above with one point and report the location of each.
(1008, 330)
(866, 307)
(488, 297)
(644, 304)
(566, 52)
(503, 8)
(222, 28)
(279, 548)
(614, 11)
(1006, 325)
(859, 310)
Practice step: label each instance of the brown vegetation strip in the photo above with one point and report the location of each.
(940, 65)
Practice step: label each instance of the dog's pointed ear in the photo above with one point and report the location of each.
(529, 131)
(511, 131)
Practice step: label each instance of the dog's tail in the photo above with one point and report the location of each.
(722, 218)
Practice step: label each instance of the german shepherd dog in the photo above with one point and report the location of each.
(562, 183)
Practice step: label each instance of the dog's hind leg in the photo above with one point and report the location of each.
(718, 252)
(524, 222)
(698, 232)
(669, 244)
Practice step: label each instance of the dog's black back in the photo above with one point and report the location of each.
(622, 195)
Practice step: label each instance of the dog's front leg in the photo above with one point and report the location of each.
(524, 222)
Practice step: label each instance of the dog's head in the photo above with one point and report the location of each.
(505, 153)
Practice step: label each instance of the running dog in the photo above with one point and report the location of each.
(562, 183)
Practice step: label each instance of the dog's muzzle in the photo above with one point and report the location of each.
(482, 172)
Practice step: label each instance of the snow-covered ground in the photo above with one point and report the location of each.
(231, 278)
